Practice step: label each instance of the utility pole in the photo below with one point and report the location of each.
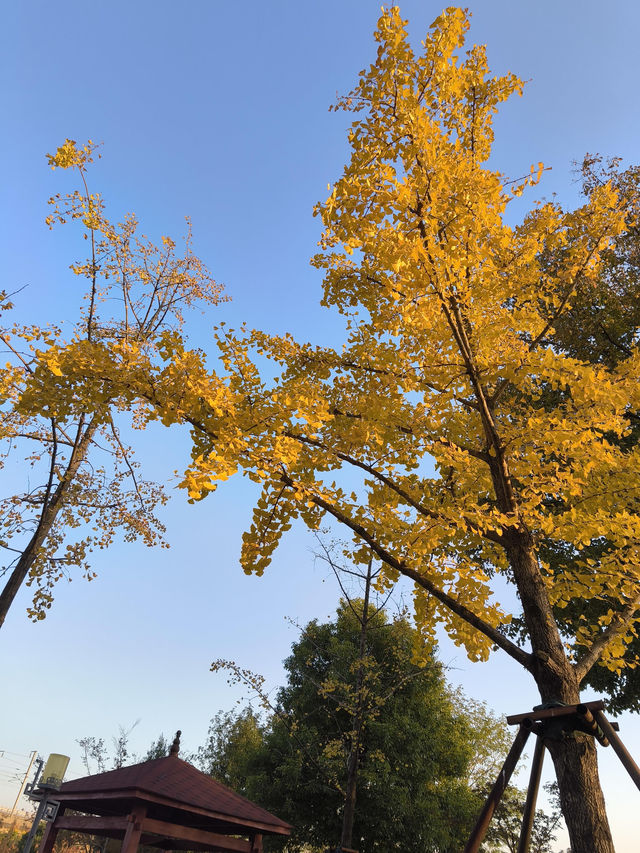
(24, 782)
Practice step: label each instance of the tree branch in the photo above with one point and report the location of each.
(616, 627)
(514, 651)
(394, 487)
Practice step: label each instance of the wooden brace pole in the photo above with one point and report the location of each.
(480, 829)
(532, 795)
(133, 832)
(621, 751)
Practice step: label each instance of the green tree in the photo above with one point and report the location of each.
(95, 753)
(417, 759)
(231, 750)
(159, 748)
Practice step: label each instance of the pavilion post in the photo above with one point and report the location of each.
(256, 844)
(50, 833)
(134, 831)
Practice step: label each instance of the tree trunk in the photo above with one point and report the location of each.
(574, 755)
(349, 813)
(581, 798)
(48, 516)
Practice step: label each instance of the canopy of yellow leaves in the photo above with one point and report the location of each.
(447, 422)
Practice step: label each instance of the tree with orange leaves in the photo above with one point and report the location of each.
(449, 435)
(82, 475)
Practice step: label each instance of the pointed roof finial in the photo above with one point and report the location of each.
(175, 746)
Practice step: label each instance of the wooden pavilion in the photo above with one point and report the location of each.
(164, 803)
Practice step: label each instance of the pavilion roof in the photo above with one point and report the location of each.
(171, 788)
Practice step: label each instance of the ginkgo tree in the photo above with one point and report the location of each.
(435, 435)
(80, 476)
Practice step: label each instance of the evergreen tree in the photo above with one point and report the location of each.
(418, 745)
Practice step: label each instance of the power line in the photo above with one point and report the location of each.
(9, 752)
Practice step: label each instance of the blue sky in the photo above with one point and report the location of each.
(219, 111)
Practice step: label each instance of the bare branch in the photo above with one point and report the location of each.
(514, 651)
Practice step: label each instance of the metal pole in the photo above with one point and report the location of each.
(36, 823)
(625, 757)
(480, 829)
(532, 796)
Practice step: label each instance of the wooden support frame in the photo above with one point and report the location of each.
(547, 723)
(532, 796)
(621, 751)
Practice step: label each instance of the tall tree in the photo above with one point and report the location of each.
(79, 472)
(425, 436)
(356, 693)
(360, 691)
(415, 742)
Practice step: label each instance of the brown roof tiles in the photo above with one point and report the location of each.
(169, 784)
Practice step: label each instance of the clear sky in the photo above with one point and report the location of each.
(219, 111)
